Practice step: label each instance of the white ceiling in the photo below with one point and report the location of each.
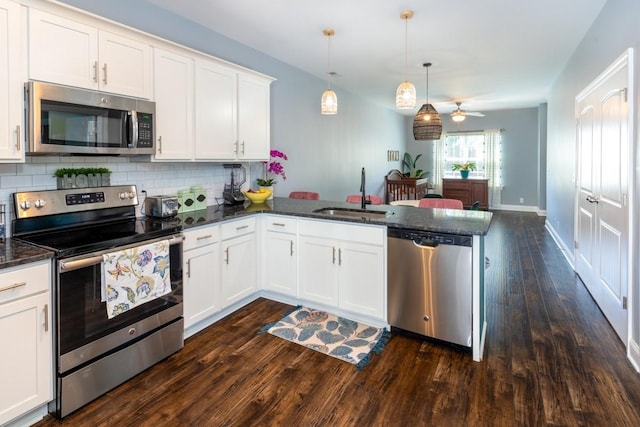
(489, 54)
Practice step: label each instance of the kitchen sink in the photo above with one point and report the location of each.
(354, 213)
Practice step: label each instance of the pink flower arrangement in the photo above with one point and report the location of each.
(273, 168)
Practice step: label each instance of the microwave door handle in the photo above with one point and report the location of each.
(133, 130)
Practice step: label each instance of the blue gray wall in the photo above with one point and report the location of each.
(521, 159)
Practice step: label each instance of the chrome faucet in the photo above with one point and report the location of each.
(363, 202)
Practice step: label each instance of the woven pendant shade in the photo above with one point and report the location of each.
(427, 130)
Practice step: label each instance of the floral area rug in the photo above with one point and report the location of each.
(335, 336)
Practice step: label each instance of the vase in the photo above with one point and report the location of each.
(464, 174)
(269, 187)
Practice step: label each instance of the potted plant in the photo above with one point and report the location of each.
(273, 168)
(82, 177)
(408, 162)
(464, 168)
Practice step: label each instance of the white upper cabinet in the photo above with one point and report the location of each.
(173, 94)
(253, 117)
(11, 130)
(71, 53)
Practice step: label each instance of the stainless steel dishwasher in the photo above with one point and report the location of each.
(429, 284)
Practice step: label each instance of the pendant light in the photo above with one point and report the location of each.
(406, 92)
(329, 101)
(427, 124)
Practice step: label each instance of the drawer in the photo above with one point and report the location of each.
(237, 228)
(200, 236)
(368, 234)
(22, 281)
(282, 224)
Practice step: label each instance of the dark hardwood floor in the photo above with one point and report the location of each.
(551, 358)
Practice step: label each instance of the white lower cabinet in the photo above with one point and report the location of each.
(239, 260)
(280, 255)
(343, 265)
(201, 274)
(25, 333)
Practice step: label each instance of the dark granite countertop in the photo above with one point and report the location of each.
(14, 253)
(452, 221)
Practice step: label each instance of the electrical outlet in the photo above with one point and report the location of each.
(521, 199)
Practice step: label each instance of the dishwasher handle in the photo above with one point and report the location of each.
(426, 242)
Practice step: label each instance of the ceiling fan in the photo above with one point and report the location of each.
(459, 114)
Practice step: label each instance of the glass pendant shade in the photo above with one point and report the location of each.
(406, 96)
(427, 124)
(329, 102)
(457, 116)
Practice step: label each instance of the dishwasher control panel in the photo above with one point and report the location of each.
(429, 238)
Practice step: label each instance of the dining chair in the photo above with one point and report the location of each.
(357, 198)
(441, 203)
(414, 203)
(306, 195)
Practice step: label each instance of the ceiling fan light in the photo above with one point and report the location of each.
(457, 116)
(406, 96)
(427, 130)
(329, 102)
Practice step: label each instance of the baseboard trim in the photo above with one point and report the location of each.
(568, 253)
(633, 354)
(519, 208)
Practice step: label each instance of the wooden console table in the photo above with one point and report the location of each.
(468, 191)
(400, 188)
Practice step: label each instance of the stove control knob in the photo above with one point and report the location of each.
(25, 205)
(40, 203)
(132, 195)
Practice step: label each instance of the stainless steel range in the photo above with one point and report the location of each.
(97, 349)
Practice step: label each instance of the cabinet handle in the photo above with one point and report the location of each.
(236, 150)
(95, 71)
(46, 317)
(18, 138)
(208, 236)
(334, 255)
(226, 256)
(243, 148)
(242, 227)
(291, 246)
(160, 144)
(188, 268)
(339, 256)
(104, 73)
(14, 286)
(277, 224)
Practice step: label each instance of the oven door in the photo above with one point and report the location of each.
(84, 330)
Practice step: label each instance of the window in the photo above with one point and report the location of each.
(482, 147)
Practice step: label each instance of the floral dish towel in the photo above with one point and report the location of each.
(134, 276)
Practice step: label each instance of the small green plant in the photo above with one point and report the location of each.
(59, 173)
(408, 162)
(466, 166)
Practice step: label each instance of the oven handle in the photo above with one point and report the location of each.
(97, 259)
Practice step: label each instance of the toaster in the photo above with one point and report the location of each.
(161, 206)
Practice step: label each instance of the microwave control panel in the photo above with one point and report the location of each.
(145, 130)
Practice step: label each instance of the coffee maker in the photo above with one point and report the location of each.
(235, 175)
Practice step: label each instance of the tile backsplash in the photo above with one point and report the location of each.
(154, 178)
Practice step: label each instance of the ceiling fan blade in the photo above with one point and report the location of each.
(474, 113)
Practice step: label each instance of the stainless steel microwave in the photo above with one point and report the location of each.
(66, 120)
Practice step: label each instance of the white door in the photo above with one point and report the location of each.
(602, 208)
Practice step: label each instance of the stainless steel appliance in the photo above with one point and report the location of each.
(66, 120)
(235, 176)
(95, 353)
(161, 206)
(430, 285)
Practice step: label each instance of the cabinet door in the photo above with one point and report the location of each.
(253, 117)
(62, 51)
(281, 263)
(125, 65)
(26, 358)
(216, 112)
(173, 94)
(362, 274)
(239, 276)
(201, 283)
(11, 140)
(318, 270)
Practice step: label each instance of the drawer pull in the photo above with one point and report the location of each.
(291, 241)
(14, 286)
(189, 268)
(208, 236)
(242, 227)
(278, 224)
